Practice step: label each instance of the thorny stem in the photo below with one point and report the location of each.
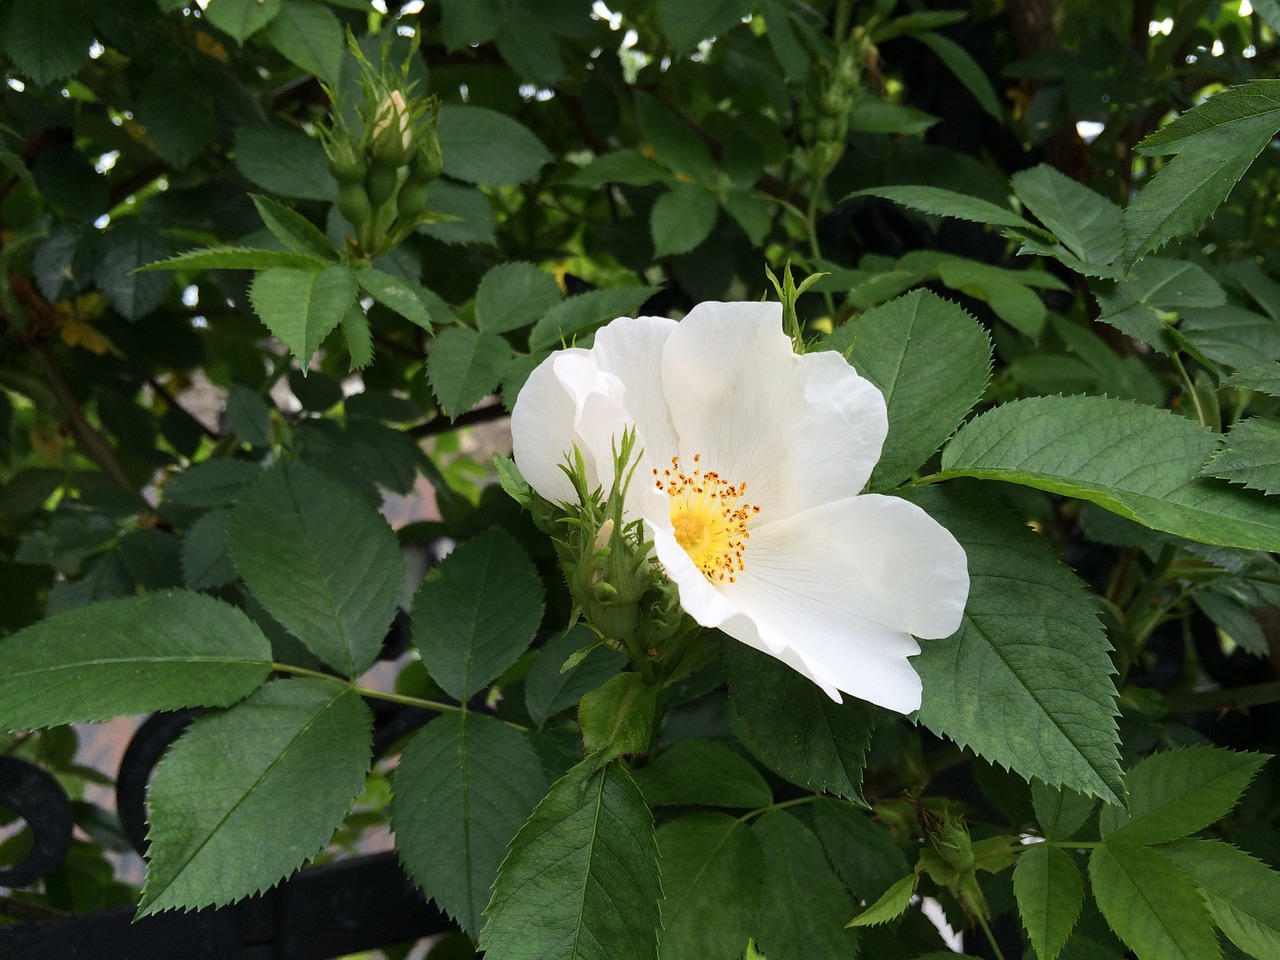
(437, 705)
(91, 441)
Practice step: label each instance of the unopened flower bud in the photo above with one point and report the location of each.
(953, 844)
(353, 203)
(346, 161)
(391, 134)
(609, 581)
(380, 183)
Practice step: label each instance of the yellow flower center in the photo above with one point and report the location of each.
(709, 518)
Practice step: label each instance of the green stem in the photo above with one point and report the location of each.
(782, 805)
(811, 231)
(1231, 698)
(991, 937)
(1143, 615)
(401, 698)
(1201, 414)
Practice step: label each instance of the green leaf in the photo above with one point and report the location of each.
(321, 560)
(528, 48)
(878, 116)
(1151, 904)
(241, 19)
(309, 36)
(234, 258)
(1263, 377)
(752, 213)
(865, 856)
(477, 613)
(248, 415)
(967, 70)
(1155, 284)
(581, 880)
(273, 778)
(618, 718)
(469, 205)
(803, 910)
(682, 218)
(177, 115)
(890, 906)
(1243, 895)
(1215, 146)
(403, 296)
(1235, 108)
(1251, 456)
(1059, 811)
(621, 166)
(465, 22)
(47, 41)
(1050, 892)
(1251, 278)
(1025, 682)
(794, 728)
(1177, 792)
(286, 161)
(1087, 222)
(578, 315)
(206, 557)
(1139, 462)
(513, 295)
(1269, 10)
(293, 230)
(465, 366)
(701, 773)
(676, 145)
(687, 24)
(155, 651)
(549, 687)
(1234, 618)
(466, 783)
(359, 338)
(946, 203)
(302, 306)
(1009, 292)
(712, 881)
(63, 264)
(1230, 335)
(213, 483)
(787, 48)
(484, 146)
(931, 360)
(125, 248)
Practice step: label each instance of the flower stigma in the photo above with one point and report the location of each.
(708, 517)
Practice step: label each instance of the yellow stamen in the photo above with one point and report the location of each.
(709, 518)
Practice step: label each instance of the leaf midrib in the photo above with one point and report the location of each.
(315, 718)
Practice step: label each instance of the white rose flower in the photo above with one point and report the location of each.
(748, 485)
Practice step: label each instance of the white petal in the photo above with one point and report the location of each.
(838, 591)
(543, 429)
(880, 558)
(631, 350)
(799, 431)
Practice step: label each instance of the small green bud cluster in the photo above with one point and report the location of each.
(618, 587)
(826, 115)
(385, 164)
